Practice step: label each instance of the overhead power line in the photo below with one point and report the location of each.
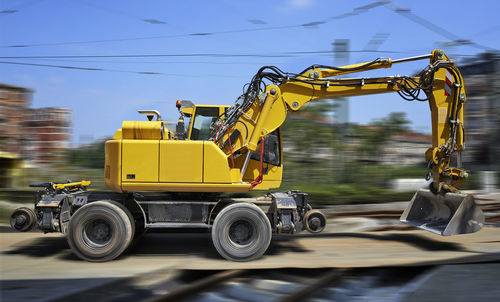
(127, 71)
(117, 70)
(196, 34)
(245, 62)
(120, 12)
(215, 55)
(16, 8)
(375, 42)
(212, 55)
(253, 20)
(405, 12)
(312, 24)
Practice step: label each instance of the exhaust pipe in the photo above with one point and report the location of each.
(445, 215)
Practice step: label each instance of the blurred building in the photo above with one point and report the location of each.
(39, 135)
(482, 111)
(405, 149)
(14, 104)
(50, 133)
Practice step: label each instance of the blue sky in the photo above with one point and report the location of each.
(102, 99)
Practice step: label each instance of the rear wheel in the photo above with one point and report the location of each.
(241, 232)
(100, 231)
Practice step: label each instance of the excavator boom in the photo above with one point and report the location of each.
(439, 209)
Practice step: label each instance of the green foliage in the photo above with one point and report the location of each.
(320, 108)
(373, 138)
(89, 156)
(395, 123)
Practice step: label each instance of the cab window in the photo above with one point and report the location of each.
(203, 118)
(271, 149)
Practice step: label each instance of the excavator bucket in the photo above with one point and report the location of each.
(446, 215)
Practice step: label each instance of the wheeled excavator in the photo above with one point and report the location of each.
(162, 179)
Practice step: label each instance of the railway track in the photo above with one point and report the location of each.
(284, 285)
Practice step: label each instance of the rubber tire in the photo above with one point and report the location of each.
(231, 250)
(112, 213)
(130, 216)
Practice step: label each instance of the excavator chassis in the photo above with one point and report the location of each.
(101, 225)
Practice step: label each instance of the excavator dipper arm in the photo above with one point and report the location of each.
(440, 83)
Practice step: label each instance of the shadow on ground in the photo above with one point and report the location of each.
(148, 244)
(199, 244)
(416, 240)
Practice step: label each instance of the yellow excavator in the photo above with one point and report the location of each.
(172, 179)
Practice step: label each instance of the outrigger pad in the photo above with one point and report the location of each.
(446, 215)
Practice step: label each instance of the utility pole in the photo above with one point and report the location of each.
(341, 57)
(341, 108)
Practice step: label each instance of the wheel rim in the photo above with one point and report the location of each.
(315, 221)
(97, 233)
(242, 232)
(21, 220)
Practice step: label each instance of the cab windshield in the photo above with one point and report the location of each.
(203, 118)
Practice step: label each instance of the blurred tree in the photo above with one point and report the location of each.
(89, 156)
(373, 138)
(309, 141)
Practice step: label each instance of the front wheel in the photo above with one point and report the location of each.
(100, 231)
(241, 232)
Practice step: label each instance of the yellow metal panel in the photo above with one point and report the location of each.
(215, 165)
(181, 161)
(441, 108)
(268, 185)
(140, 160)
(187, 111)
(235, 175)
(185, 187)
(142, 130)
(118, 134)
(271, 180)
(273, 172)
(113, 165)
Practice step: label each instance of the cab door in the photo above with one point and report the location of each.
(201, 120)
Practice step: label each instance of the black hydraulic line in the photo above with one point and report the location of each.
(341, 68)
(454, 110)
(246, 128)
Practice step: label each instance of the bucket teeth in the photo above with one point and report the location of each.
(446, 215)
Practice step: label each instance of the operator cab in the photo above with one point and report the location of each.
(201, 118)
